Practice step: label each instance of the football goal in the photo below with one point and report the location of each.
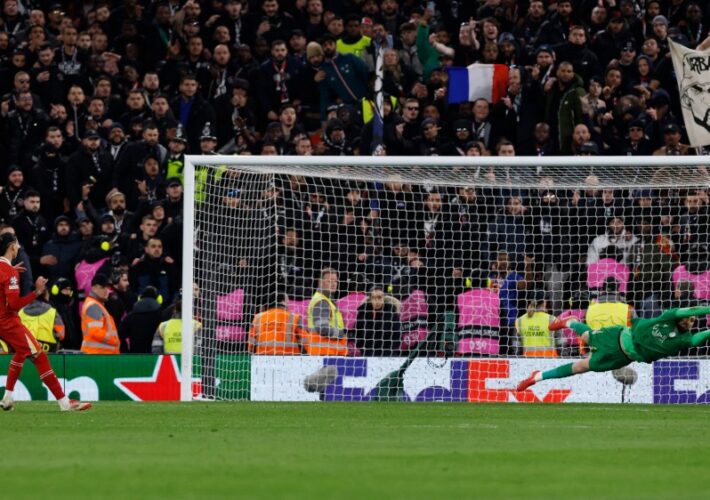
(325, 274)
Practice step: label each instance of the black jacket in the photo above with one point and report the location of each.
(51, 91)
(200, 113)
(47, 177)
(130, 164)
(32, 233)
(82, 168)
(137, 329)
(11, 202)
(66, 249)
(23, 132)
(156, 273)
(378, 333)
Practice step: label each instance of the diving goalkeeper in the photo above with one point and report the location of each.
(613, 347)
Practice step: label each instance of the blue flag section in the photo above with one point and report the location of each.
(458, 85)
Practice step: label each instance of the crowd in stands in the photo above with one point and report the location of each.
(471, 260)
(101, 100)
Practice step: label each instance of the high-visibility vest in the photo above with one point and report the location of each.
(357, 49)
(276, 332)
(535, 335)
(368, 108)
(172, 336)
(202, 177)
(100, 335)
(171, 331)
(175, 168)
(603, 314)
(42, 327)
(319, 345)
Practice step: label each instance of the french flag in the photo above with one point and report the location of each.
(487, 81)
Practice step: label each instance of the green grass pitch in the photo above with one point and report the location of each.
(386, 450)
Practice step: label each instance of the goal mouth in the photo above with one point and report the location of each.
(311, 270)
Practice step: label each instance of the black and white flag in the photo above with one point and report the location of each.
(692, 69)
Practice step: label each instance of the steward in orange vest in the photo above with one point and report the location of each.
(97, 325)
(277, 332)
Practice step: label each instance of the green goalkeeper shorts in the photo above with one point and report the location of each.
(606, 353)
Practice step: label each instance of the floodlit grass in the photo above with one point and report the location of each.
(373, 450)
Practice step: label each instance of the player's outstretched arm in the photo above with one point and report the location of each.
(700, 338)
(687, 312)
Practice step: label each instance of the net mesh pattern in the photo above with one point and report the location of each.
(449, 261)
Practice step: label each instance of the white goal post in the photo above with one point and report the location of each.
(627, 175)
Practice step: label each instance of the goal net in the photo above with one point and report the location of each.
(332, 278)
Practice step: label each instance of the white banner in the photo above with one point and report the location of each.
(692, 69)
(276, 378)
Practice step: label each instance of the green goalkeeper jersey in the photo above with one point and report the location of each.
(659, 337)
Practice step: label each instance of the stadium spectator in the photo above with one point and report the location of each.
(130, 168)
(378, 330)
(107, 229)
(89, 173)
(116, 203)
(138, 327)
(563, 107)
(122, 298)
(332, 83)
(653, 265)
(508, 232)
(275, 77)
(90, 95)
(31, 229)
(61, 252)
(24, 128)
(507, 281)
(153, 269)
(13, 194)
(192, 110)
(61, 298)
(616, 243)
(671, 142)
(294, 271)
(48, 173)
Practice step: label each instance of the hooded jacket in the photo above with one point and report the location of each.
(137, 329)
(565, 106)
(66, 249)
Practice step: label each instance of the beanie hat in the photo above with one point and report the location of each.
(313, 49)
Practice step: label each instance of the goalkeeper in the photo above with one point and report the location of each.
(613, 347)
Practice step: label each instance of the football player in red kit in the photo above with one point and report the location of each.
(18, 337)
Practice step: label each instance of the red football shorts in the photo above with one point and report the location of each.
(21, 340)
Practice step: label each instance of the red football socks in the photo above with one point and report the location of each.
(47, 375)
(14, 370)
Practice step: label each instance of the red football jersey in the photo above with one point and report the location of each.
(10, 300)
